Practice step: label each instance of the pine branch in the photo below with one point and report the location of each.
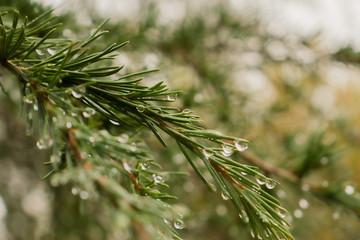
(71, 88)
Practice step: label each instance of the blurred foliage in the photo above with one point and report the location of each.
(289, 95)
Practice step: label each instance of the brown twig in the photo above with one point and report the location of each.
(270, 168)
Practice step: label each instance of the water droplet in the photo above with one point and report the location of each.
(349, 190)
(171, 97)
(88, 113)
(91, 139)
(305, 187)
(144, 166)
(227, 150)
(259, 237)
(28, 100)
(74, 191)
(166, 221)
(270, 184)
(54, 119)
(158, 178)
(127, 167)
(187, 111)
(43, 143)
(122, 138)
(55, 158)
(84, 195)
(68, 125)
(241, 145)
(207, 154)
(36, 107)
(225, 196)
(74, 114)
(252, 234)
(140, 108)
(39, 52)
(243, 173)
(281, 212)
(244, 216)
(51, 51)
(260, 180)
(114, 122)
(298, 213)
(179, 224)
(78, 92)
(133, 147)
(324, 160)
(303, 203)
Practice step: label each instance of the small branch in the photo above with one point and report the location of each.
(73, 144)
(226, 175)
(269, 168)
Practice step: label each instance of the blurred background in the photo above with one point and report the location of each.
(283, 74)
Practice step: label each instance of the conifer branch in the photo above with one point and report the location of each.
(71, 87)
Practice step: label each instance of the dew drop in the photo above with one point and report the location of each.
(140, 108)
(133, 147)
(207, 154)
(91, 139)
(166, 221)
(241, 145)
(305, 187)
(84, 195)
(127, 167)
(68, 125)
(78, 92)
(171, 97)
(281, 213)
(144, 166)
(298, 213)
(88, 113)
(158, 178)
(303, 203)
(187, 111)
(114, 122)
(74, 114)
(39, 52)
(28, 100)
(36, 107)
(55, 158)
(244, 216)
(122, 138)
(349, 190)
(74, 191)
(252, 234)
(227, 150)
(51, 51)
(43, 143)
(270, 184)
(259, 237)
(260, 180)
(225, 196)
(324, 160)
(179, 224)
